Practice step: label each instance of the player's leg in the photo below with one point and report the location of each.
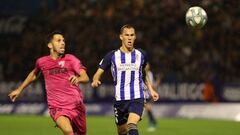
(121, 115)
(78, 117)
(122, 129)
(133, 119)
(61, 118)
(64, 124)
(135, 113)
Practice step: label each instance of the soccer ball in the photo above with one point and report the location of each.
(196, 17)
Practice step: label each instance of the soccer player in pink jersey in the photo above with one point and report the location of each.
(62, 73)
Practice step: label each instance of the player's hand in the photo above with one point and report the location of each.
(14, 94)
(73, 80)
(155, 95)
(95, 83)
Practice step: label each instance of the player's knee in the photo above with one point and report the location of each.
(70, 133)
(67, 130)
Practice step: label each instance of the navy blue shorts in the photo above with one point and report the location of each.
(123, 108)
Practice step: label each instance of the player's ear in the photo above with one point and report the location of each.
(135, 35)
(120, 36)
(50, 45)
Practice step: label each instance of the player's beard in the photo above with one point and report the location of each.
(59, 51)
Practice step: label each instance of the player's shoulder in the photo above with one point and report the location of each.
(70, 56)
(43, 58)
(141, 51)
(111, 53)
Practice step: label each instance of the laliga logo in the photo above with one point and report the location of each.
(61, 63)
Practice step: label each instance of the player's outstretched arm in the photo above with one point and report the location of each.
(96, 78)
(82, 78)
(32, 76)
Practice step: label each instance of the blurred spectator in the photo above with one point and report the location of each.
(209, 92)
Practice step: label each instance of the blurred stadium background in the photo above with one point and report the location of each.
(200, 89)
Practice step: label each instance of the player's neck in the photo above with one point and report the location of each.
(126, 50)
(55, 56)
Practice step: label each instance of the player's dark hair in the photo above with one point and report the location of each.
(126, 26)
(50, 35)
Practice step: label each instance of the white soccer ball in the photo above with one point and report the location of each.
(196, 17)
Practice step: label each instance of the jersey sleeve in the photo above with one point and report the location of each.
(145, 57)
(77, 65)
(145, 61)
(106, 61)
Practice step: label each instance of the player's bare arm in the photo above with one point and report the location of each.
(82, 78)
(32, 76)
(96, 78)
(153, 93)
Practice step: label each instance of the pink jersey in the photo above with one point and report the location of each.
(60, 92)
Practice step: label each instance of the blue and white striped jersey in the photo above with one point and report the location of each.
(127, 71)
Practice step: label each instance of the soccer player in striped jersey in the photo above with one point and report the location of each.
(62, 75)
(128, 68)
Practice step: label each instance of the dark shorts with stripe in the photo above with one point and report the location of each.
(123, 108)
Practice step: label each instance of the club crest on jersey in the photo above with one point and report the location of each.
(61, 63)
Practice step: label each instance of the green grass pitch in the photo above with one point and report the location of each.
(97, 125)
